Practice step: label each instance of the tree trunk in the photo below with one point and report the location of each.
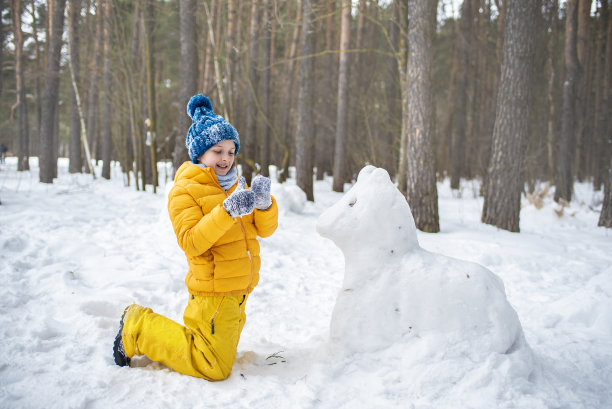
(286, 118)
(402, 66)
(603, 125)
(583, 86)
(304, 147)
(328, 94)
(48, 167)
(267, 41)
(393, 97)
(505, 177)
(250, 139)
(151, 121)
(38, 80)
(96, 61)
(421, 190)
(76, 161)
(3, 31)
(189, 77)
(605, 217)
(342, 115)
(459, 106)
(551, 64)
(23, 138)
(107, 144)
(565, 157)
(232, 53)
(79, 109)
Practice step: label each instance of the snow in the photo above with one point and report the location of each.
(75, 253)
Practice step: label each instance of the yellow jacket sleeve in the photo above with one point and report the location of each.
(266, 221)
(196, 232)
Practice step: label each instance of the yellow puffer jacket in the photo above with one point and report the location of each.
(223, 253)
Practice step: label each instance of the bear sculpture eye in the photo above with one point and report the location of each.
(352, 202)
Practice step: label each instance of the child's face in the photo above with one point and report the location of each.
(220, 157)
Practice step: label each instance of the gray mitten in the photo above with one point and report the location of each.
(261, 188)
(241, 202)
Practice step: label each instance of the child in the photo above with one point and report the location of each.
(216, 220)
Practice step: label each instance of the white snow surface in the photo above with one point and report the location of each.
(74, 253)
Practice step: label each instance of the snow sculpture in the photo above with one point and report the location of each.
(394, 291)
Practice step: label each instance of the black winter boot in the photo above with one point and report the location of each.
(121, 358)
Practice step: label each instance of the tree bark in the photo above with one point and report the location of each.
(250, 139)
(93, 105)
(327, 94)
(107, 144)
(342, 113)
(189, 77)
(551, 64)
(304, 147)
(605, 217)
(286, 115)
(76, 161)
(603, 125)
(232, 54)
(459, 105)
(151, 121)
(81, 115)
(48, 167)
(266, 60)
(421, 190)
(565, 156)
(505, 177)
(23, 130)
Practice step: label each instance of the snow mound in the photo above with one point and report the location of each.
(396, 292)
(290, 198)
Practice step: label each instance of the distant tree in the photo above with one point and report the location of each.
(266, 70)
(460, 104)
(189, 77)
(48, 166)
(151, 120)
(342, 114)
(565, 157)
(290, 57)
(552, 67)
(250, 136)
(304, 146)
(421, 190)
(505, 176)
(23, 136)
(74, 13)
(603, 96)
(94, 74)
(605, 217)
(107, 145)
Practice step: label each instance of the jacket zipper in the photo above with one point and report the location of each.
(246, 243)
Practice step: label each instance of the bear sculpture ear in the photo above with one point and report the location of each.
(199, 101)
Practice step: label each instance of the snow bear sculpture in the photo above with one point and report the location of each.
(394, 291)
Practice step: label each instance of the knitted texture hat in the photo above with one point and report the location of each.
(207, 129)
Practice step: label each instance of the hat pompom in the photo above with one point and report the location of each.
(198, 101)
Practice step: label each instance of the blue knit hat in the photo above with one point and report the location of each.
(207, 129)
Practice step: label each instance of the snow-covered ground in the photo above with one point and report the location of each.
(73, 254)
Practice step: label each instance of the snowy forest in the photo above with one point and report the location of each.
(510, 92)
(442, 171)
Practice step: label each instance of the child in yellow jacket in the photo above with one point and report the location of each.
(216, 219)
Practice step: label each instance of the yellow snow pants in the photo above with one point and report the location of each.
(205, 347)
